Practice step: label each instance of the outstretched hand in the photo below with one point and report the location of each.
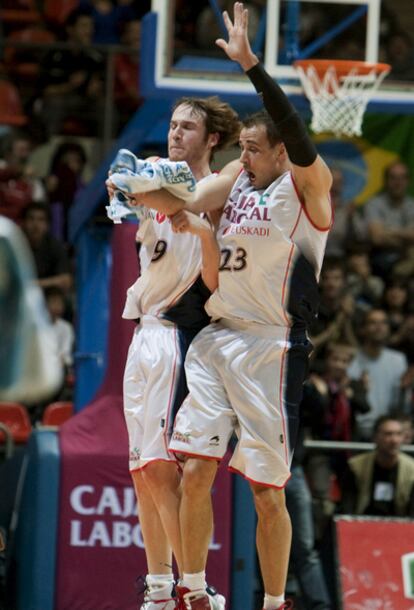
(238, 47)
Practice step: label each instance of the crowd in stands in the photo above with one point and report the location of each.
(55, 59)
(62, 90)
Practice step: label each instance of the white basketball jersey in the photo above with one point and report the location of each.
(170, 263)
(271, 256)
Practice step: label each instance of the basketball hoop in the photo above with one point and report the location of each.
(339, 91)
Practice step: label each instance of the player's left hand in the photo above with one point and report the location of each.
(132, 199)
(187, 222)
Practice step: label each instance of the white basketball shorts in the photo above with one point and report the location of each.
(247, 379)
(154, 388)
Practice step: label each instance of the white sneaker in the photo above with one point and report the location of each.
(162, 604)
(159, 599)
(217, 601)
(189, 600)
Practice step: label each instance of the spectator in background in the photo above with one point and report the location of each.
(51, 260)
(400, 54)
(390, 221)
(63, 182)
(381, 482)
(62, 343)
(18, 183)
(186, 14)
(385, 368)
(403, 339)
(349, 224)
(396, 304)
(305, 562)
(338, 397)
(336, 309)
(72, 79)
(366, 288)
(63, 332)
(127, 96)
(407, 424)
(331, 401)
(107, 18)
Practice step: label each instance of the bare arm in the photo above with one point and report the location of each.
(314, 183)
(185, 221)
(212, 195)
(312, 177)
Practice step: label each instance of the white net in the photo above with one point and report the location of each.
(338, 103)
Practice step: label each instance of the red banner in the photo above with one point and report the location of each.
(376, 563)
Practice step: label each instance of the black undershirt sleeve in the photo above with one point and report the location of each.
(293, 132)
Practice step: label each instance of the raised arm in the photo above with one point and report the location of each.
(312, 176)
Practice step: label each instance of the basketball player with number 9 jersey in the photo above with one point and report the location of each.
(168, 301)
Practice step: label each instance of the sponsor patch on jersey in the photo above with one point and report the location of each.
(181, 438)
(160, 217)
(134, 454)
(245, 230)
(237, 215)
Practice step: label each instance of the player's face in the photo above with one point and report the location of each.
(187, 137)
(261, 161)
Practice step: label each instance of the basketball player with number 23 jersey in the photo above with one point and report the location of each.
(245, 370)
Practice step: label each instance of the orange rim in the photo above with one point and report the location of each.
(342, 66)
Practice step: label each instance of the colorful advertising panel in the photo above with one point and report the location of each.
(376, 563)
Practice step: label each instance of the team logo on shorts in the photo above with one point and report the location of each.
(181, 438)
(214, 441)
(135, 454)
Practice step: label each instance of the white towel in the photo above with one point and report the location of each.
(119, 207)
(132, 175)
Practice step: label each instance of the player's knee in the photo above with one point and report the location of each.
(160, 475)
(269, 501)
(198, 476)
(141, 487)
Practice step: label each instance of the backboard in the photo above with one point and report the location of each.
(280, 39)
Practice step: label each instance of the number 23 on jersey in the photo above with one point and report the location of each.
(233, 260)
